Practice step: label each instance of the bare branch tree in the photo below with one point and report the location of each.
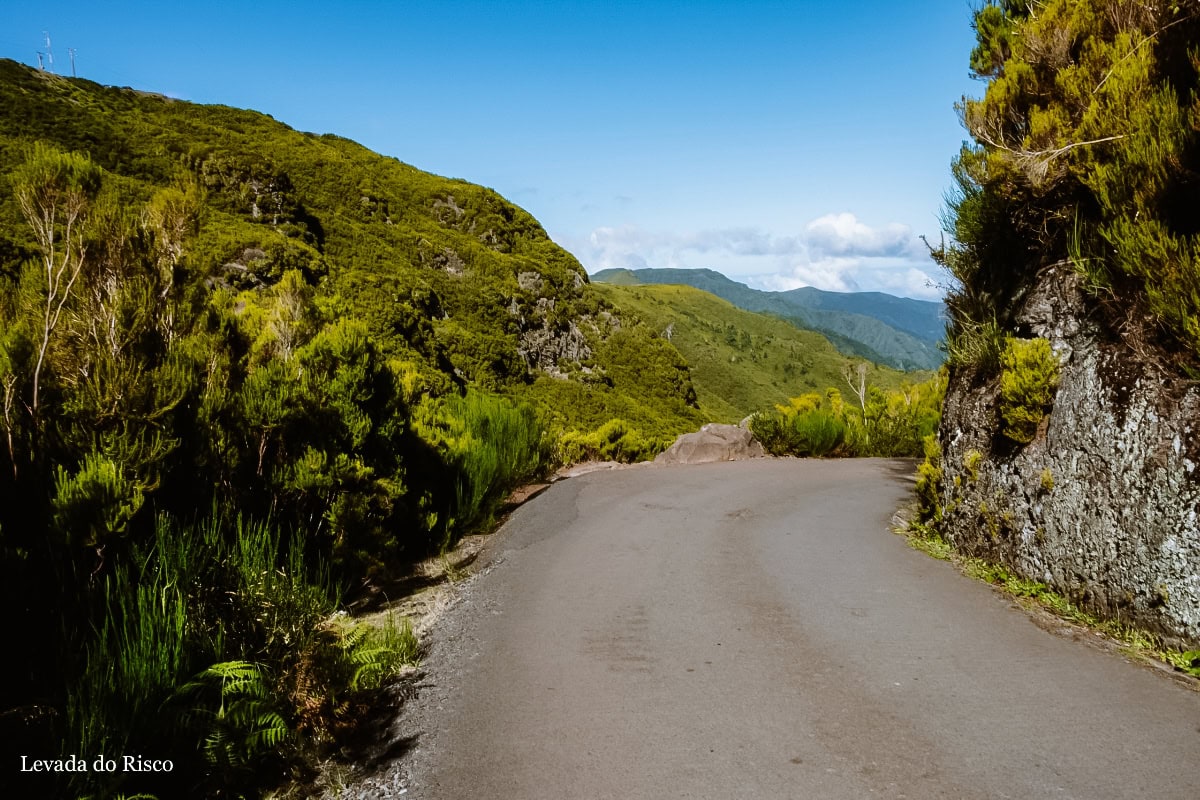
(55, 191)
(10, 382)
(857, 373)
(856, 379)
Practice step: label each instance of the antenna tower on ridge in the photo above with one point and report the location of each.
(49, 52)
(41, 65)
(71, 50)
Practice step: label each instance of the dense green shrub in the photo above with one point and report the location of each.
(885, 423)
(490, 445)
(811, 432)
(929, 482)
(1028, 380)
(615, 440)
(1081, 144)
(975, 344)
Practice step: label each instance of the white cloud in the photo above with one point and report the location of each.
(835, 252)
(830, 274)
(843, 234)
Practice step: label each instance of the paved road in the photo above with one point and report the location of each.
(752, 630)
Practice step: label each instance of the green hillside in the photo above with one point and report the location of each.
(451, 279)
(741, 361)
(894, 331)
(248, 374)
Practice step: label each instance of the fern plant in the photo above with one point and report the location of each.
(236, 714)
(382, 651)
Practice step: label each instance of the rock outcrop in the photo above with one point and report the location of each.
(713, 442)
(1102, 504)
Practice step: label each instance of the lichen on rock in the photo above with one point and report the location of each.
(1115, 526)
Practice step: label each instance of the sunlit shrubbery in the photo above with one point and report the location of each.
(489, 445)
(1028, 380)
(1075, 163)
(190, 478)
(615, 440)
(929, 482)
(892, 423)
(808, 426)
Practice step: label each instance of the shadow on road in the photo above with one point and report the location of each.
(903, 468)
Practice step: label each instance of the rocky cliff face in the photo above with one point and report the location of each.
(1102, 504)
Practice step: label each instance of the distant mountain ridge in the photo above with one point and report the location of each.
(741, 362)
(897, 331)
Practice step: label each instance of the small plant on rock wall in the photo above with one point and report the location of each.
(929, 482)
(1028, 380)
(971, 462)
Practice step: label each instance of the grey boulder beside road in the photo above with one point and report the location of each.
(713, 442)
(751, 629)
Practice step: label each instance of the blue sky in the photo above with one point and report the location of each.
(785, 144)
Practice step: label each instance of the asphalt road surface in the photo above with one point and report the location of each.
(753, 630)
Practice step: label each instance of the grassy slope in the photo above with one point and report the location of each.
(447, 275)
(741, 361)
(896, 331)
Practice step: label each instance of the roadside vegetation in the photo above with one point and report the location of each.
(193, 478)
(873, 422)
(1082, 143)
(250, 375)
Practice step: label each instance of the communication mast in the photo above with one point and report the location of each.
(71, 50)
(49, 52)
(41, 65)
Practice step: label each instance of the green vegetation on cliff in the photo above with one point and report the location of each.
(1067, 445)
(452, 282)
(1087, 153)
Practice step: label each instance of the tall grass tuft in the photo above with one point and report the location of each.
(976, 345)
(816, 432)
(280, 596)
(491, 444)
(191, 626)
(138, 656)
